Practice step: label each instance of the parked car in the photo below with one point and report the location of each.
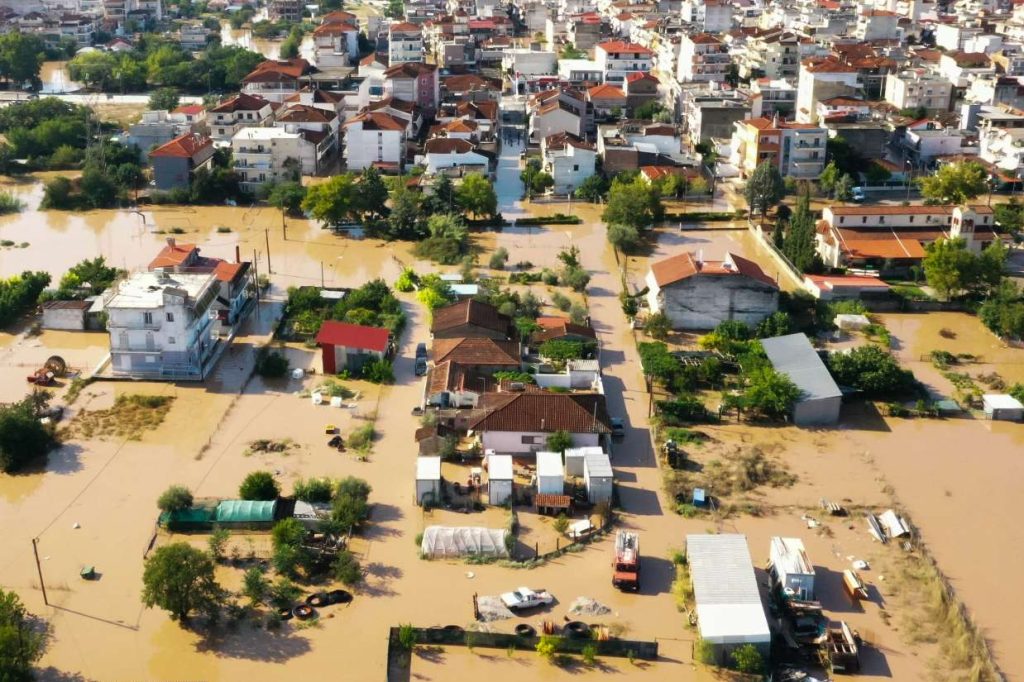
(421, 350)
(420, 367)
(618, 427)
(525, 598)
(857, 194)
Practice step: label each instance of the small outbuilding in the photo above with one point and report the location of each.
(248, 514)
(729, 609)
(350, 346)
(428, 480)
(574, 458)
(791, 568)
(1003, 407)
(820, 398)
(499, 479)
(550, 473)
(65, 315)
(597, 476)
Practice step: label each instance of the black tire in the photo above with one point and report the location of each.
(525, 630)
(303, 612)
(577, 629)
(318, 600)
(339, 597)
(285, 613)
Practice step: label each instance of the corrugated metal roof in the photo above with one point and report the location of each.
(789, 556)
(729, 608)
(596, 465)
(794, 356)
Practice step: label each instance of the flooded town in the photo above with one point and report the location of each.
(432, 340)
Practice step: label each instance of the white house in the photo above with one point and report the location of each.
(453, 154)
(791, 567)
(702, 58)
(598, 477)
(335, 44)
(499, 479)
(822, 78)
(519, 423)
(428, 480)
(699, 294)
(617, 59)
(263, 155)
(550, 474)
(569, 160)
(1002, 406)
(522, 62)
(405, 43)
(913, 88)
(374, 138)
(160, 325)
(241, 111)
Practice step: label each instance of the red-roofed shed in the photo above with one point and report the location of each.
(350, 346)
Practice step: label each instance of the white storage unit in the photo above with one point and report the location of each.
(499, 479)
(1002, 406)
(729, 609)
(792, 567)
(550, 474)
(428, 479)
(597, 475)
(574, 458)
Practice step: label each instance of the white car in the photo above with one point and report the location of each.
(525, 598)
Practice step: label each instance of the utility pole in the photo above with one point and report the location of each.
(266, 236)
(39, 568)
(256, 274)
(322, 274)
(284, 225)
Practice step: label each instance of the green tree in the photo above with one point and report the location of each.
(164, 99)
(21, 644)
(623, 237)
(764, 189)
(395, 9)
(657, 362)
(634, 203)
(658, 325)
(955, 183)
(1003, 311)
(561, 350)
(877, 174)
(318, 490)
(255, 587)
(287, 197)
(175, 498)
(180, 578)
(828, 178)
(769, 393)
(476, 196)
(346, 568)
(559, 441)
(800, 244)
(290, 45)
(21, 58)
(442, 196)
(593, 188)
(259, 485)
(747, 659)
(498, 259)
(778, 323)
(404, 220)
(87, 278)
(1009, 216)
(373, 193)
(333, 202)
(873, 370)
(23, 438)
(94, 69)
(844, 188)
(289, 555)
(648, 110)
(949, 267)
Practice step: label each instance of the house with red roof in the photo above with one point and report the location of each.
(375, 138)
(174, 162)
(405, 43)
(618, 58)
(640, 88)
(240, 111)
(695, 293)
(277, 79)
(350, 347)
(607, 99)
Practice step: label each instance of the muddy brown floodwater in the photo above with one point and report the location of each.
(939, 469)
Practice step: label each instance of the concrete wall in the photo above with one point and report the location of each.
(170, 172)
(510, 442)
(498, 491)
(702, 302)
(819, 412)
(72, 319)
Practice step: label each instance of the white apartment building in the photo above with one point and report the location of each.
(161, 326)
(772, 55)
(618, 59)
(265, 155)
(708, 16)
(241, 111)
(702, 58)
(374, 139)
(569, 160)
(877, 24)
(822, 78)
(1003, 148)
(914, 88)
(405, 43)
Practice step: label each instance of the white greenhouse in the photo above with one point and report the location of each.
(446, 541)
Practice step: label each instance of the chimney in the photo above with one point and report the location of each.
(700, 257)
(238, 254)
(170, 242)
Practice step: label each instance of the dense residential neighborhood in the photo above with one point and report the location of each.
(511, 339)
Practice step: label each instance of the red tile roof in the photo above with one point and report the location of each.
(241, 102)
(606, 91)
(541, 412)
(375, 120)
(333, 333)
(559, 328)
(172, 255)
(227, 272)
(448, 145)
(684, 265)
(477, 351)
(409, 70)
(641, 75)
(190, 109)
(476, 313)
(404, 27)
(183, 147)
(614, 46)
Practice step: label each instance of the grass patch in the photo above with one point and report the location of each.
(265, 445)
(738, 471)
(682, 436)
(130, 417)
(75, 389)
(362, 437)
(682, 587)
(335, 389)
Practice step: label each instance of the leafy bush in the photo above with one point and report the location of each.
(747, 659)
(681, 409)
(498, 258)
(346, 568)
(175, 498)
(271, 364)
(561, 301)
(259, 485)
(559, 441)
(872, 370)
(362, 437)
(19, 293)
(658, 326)
(180, 578)
(378, 372)
(575, 278)
(560, 350)
(406, 281)
(23, 438)
(314, 489)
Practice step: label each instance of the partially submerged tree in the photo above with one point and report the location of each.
(764, 189)
(180, 578)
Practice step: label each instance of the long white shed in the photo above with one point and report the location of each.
(1002, 406)
(598, 476)
(574, 458)
(499, 479)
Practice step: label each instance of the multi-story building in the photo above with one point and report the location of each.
(277, 79)
(877, 24)
(336, 43)
(270, 155)
(770, 97)
(821, 78)
(708, 16)
(241, 111)
(712, 113)
(375, 139)
(918, 89)
(1003, 148)
(285, 10)
(774, 54)
(193, 36)
(405, 43)
(618, 59)
(797, 149)
(702, 58)
(414, 82)
(568, 159)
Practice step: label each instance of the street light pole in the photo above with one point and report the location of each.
(909, 176)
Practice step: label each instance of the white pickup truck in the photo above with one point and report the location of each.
(525, 598)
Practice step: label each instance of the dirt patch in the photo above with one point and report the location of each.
(493, 609)
(730, 475)
(584, 606)
(130, 417)
(264, 445)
